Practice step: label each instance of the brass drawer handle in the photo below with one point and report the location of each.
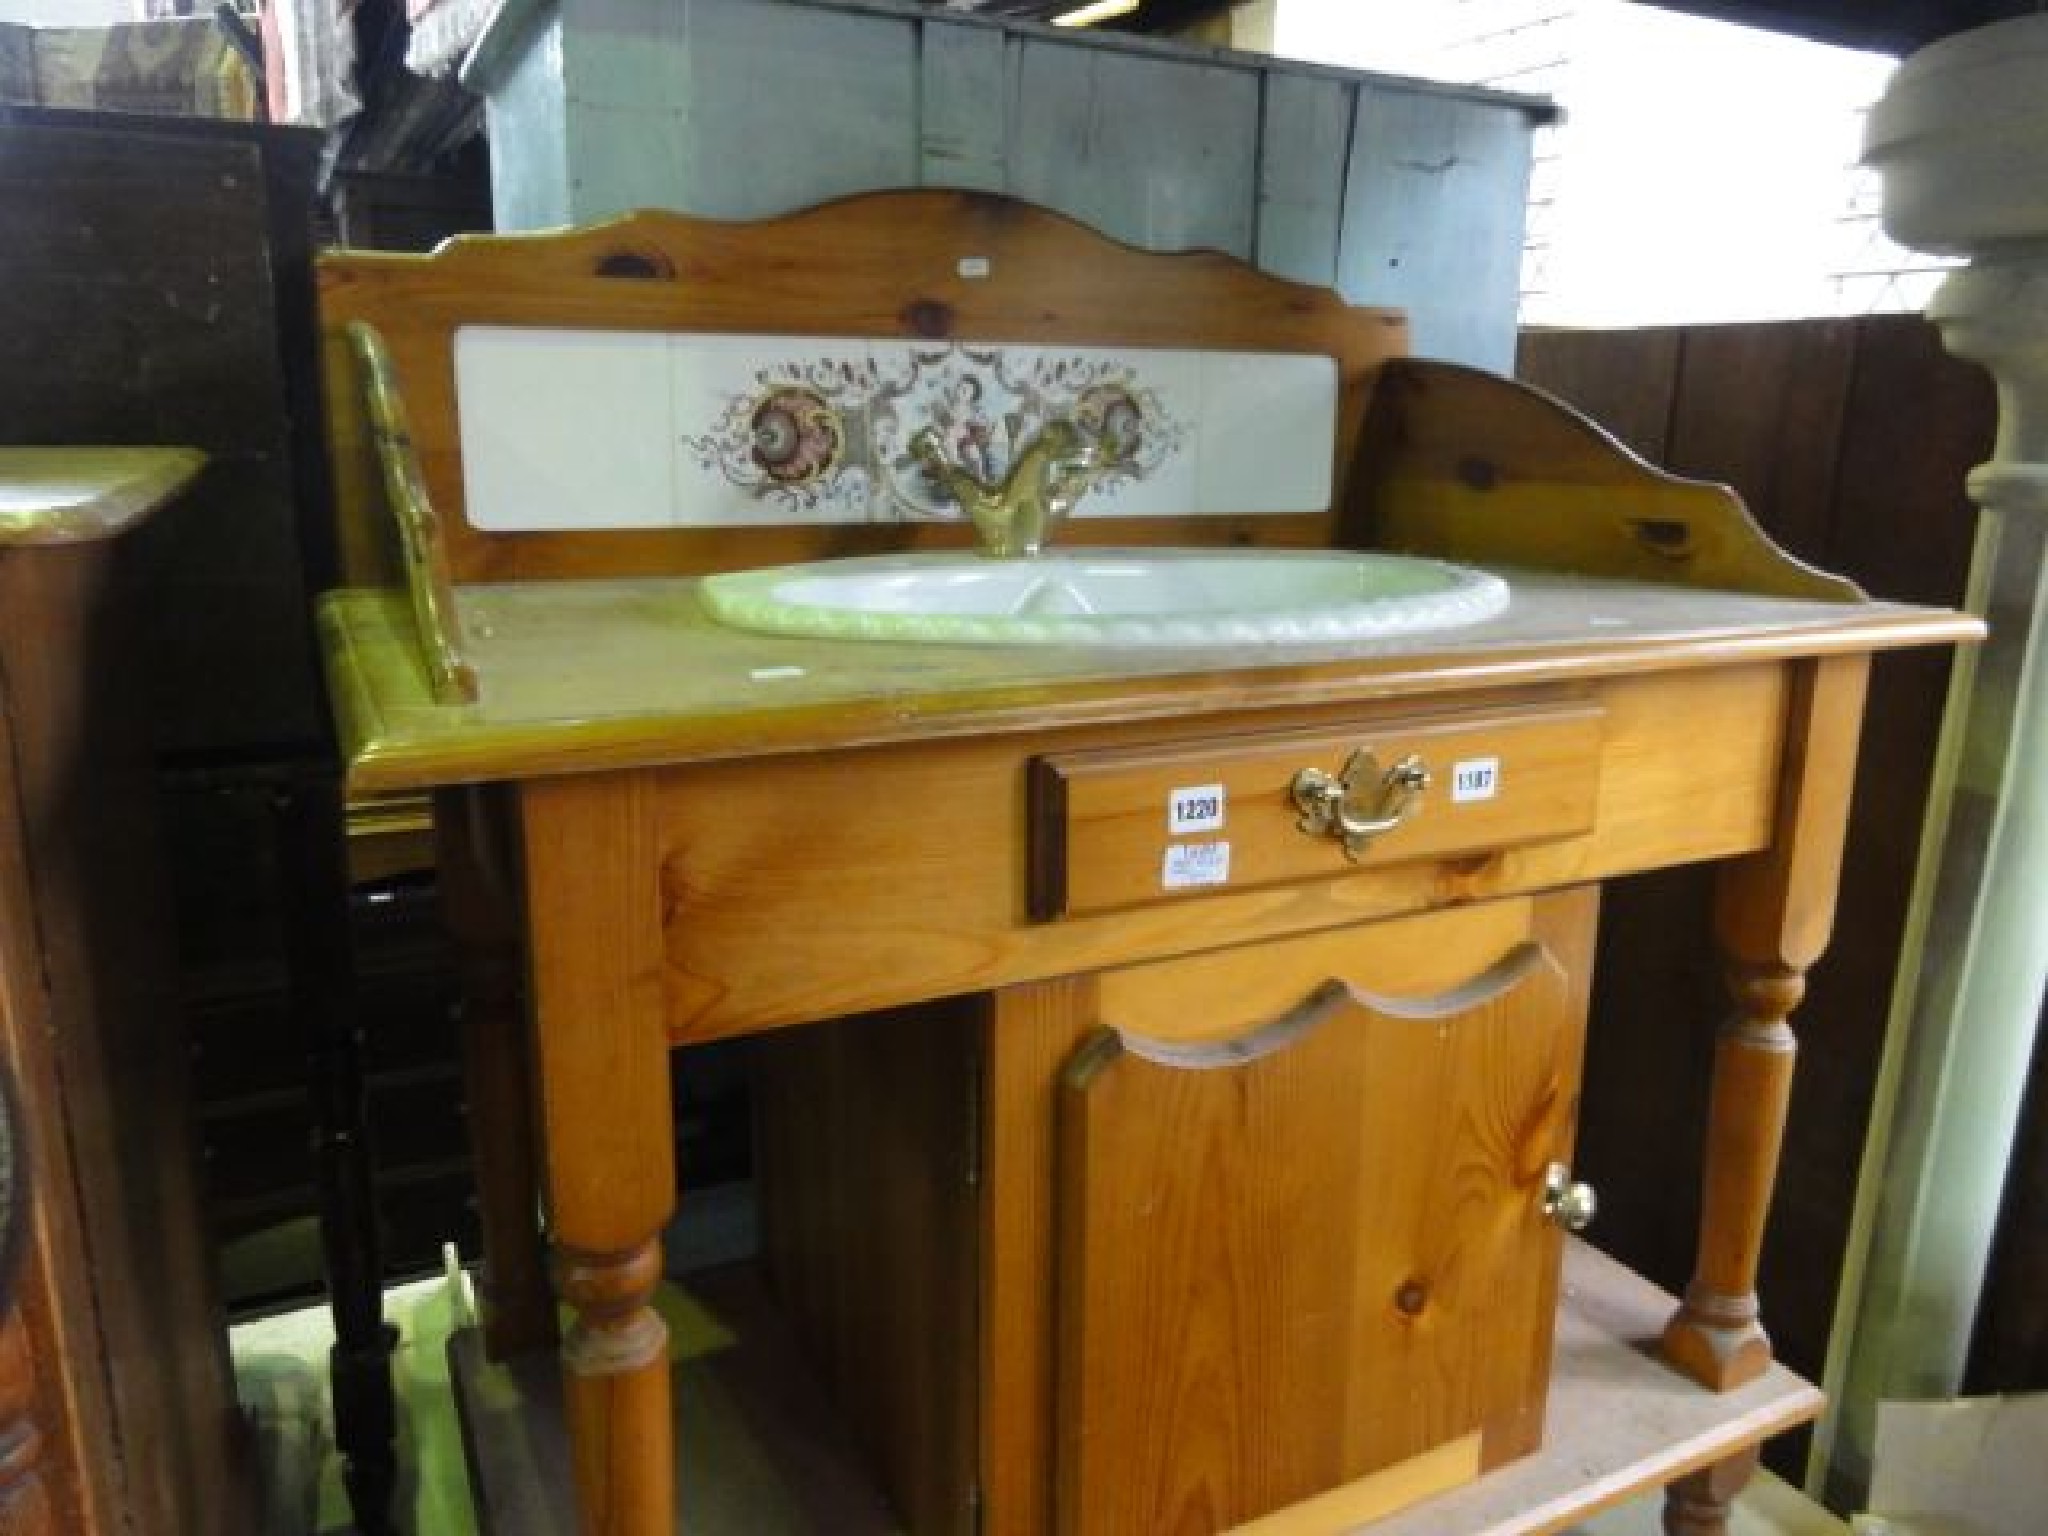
(1361, 803)
(1568, 1204)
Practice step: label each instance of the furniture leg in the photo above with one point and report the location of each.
(1701, 1503)
(313, 871)
(1773, 914)
(480, 909)
(594, 906)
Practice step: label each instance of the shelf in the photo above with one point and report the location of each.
(761, 1454)
(74, 495)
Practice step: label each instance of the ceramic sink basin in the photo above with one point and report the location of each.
(1109, 597)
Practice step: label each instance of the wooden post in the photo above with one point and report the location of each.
(1773, 914)
(480, 909)
(594, 912)
(1700, 1503)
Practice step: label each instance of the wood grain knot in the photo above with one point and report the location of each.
(1411, 1298)
(643, 266)
(608, 1287)
(927, 317)
(1478, 474)
(1665, 536)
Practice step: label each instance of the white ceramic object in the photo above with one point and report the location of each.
(1961, 137)
(1152, 598)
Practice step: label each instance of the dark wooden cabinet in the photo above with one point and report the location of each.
(132, 1402)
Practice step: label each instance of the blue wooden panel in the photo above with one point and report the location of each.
(524, 116)
(1433, 214)
(1160, 152)
(622, 158)
(735, 109)
(1303, 147)
(789, 105)
(624, 53)
(1398, 193)
(964, 87)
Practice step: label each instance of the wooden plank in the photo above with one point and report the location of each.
(1304, 142)
(1375, 1495)
(1156, 153)
(1620, 1422)
(864, 1126)
(786, 106)
(1759, 408)
(1625, 380)
(526, 117)
(767, 1462)
(1433, 208)
(17, 63)
(964, 79)
(1029, 1033)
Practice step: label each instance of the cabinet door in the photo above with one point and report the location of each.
(1292, 1228)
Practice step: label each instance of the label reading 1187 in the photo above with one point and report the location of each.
(1196, 809)
(1477, 778)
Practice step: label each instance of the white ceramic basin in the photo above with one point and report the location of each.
(1109, 597)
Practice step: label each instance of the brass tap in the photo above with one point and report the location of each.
(1014, 519)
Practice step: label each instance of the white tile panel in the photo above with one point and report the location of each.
(567, 429)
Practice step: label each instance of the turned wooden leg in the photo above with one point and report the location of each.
(313, 892)
(480, 910)
(1773, 914)
(601, 1059)
(1700, 1504)
(1716, 1337)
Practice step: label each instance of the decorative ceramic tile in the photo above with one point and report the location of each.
(565, 429)
(763, 430)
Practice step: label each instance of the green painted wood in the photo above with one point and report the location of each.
(1156, 152)
(526, 118)
(964, 87)
(1396, 192)
(1304, 144)
(1434, 203)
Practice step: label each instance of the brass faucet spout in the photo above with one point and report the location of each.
(1013, 519)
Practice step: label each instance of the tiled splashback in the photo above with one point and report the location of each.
(573, 429)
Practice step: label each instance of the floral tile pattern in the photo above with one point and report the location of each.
(836, 431)
(570, 429)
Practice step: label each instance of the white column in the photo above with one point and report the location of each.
(1961, 138)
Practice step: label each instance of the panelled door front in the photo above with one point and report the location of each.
(1295, 1230)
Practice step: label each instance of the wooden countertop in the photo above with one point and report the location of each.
(586, 675)
(75, 495)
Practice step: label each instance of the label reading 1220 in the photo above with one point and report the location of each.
(1198, 808)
